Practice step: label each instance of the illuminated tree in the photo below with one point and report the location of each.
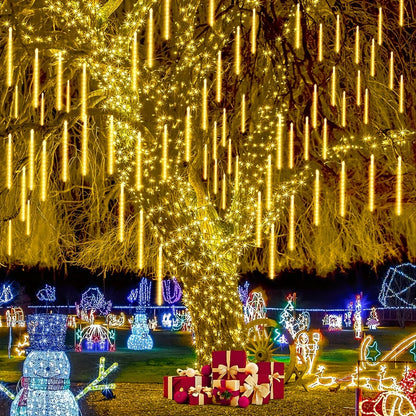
(202, 139)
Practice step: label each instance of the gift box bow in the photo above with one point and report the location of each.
(189, 372)
(195, 391)
(259, 391)
(223, 392)
(224, 370)
(277, 376)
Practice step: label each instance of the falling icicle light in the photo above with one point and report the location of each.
(253, 32)
(237, 175)
(9, 239)
(291, 245)
(342, 191)
(243, 113)
(121, 214)
(320, 44)
(297, 27)
(59, 76)
(150, 40)
(373, 58)
(68, 97)
(84, 146)
(333, 86)
(229, 158)
(35, 80)
(16, 102)
(272, 249)
(159, 276)
(140, 251)
(65, 152)
(188, 135)
(219, 77)
(205, 163)
(357, 45)
(380, 26)
(344, 110)
(279, 142)
(32, 160)
(224, 127)
(28, 218)
(84, 91)
(205, 106)
(269, 184)
(337, 35)
(291, 146)
(366, 105)
(214, 141)
(325, 139)
(110, 164)
(401, 13)
(401, 95)
(237, 51)
(165, 153)
(215, 178)
(166, 20)
(391, 71)
(224, 192)
(316, 195)
(9, 76)
(42, 109)
(23, 195)
(358, 88)
(211, 13)
(306, 138)
(134, 62)
(139, 180)
(43, 172)
(399, 186)
(9, 178)
(371, 184)
(314, 111)
(258, 221)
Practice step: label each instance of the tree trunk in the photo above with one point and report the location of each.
(217, 316)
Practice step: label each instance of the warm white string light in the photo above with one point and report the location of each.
(205, 163)
(43, 173)
(371, 184)
(259, 213)
(224, 192)
(214, 141)
(344, 109)
(358, 90)
(342, 190)
(68, 97)
(236, 175)
(121, 209)
(59, 81)
(291, 245)
(150, 40)
(215, 178)
(316, 199)
(9, 239)
(399, 186)
(42, 109)
(28, 218)
(84, 91)
(9, 177)
(16, 101)
(23, 195)
(401, 13)
(333, 86)
(65, 152)
(279, 142)
(140, 251)
(9, 65)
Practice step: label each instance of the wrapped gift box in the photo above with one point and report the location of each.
(276, 373)
(200, 395)
(226, 392)
(229, 365)
(172, 384)
(256, 388)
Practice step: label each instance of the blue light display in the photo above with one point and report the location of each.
(140, 338)
(47, 294)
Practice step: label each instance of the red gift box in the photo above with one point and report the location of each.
(276, 373)
(229, 365)
(257, 388)
(200, 395)
(172, 384)
(226, 392)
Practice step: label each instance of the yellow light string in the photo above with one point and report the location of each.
(401, 13)
(253, 32)
(215, 178)
(306, 139)
(373, 58)
(224, 127)
(380, 26)
(399, 186)
(401, 95)
(258, 221)
(297, 27)
(43, 172)
(9, 76)
(23, 195)
(205, 163)
(204, 105)
(59, 81)
(371, 184)
(9, 178)
(358, 91)
(357, 45)
(84, 91)
(342, 190)
(291, 244)
(140, 251)
(188, 135)
(16, 101)
(219, 77)
(32, 160)
(314, 115)
(224, 192)
(391, 71)
(134, 62)
(166, 20)
(139, 174)
(333, 86)
(325, 139)
(243, 113)
(68, 97)
(344, 110)
(320, 44)
(211, 13)
(121, 208)
(366, 106)
(214, 141)
(110, 150)
(35, 80)
(338, 35)
(159, 276)
(272, 249)
(150, 40)
(65, 152)
(28, 218)
(237, 52)
(84, 147)
(165, 153)
(316, 199)
(269, 184)
(42, 109)
(236, 175)
(291, 146)
(9, 239)
(279, 142)
(230, 157)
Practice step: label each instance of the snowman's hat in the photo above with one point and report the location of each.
(47, 331)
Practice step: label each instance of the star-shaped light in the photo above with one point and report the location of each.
(372, 352)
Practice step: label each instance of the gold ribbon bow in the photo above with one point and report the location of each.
(276, 376)
(189, 372)
(228, 371)
(195, 391)
(260, 391)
